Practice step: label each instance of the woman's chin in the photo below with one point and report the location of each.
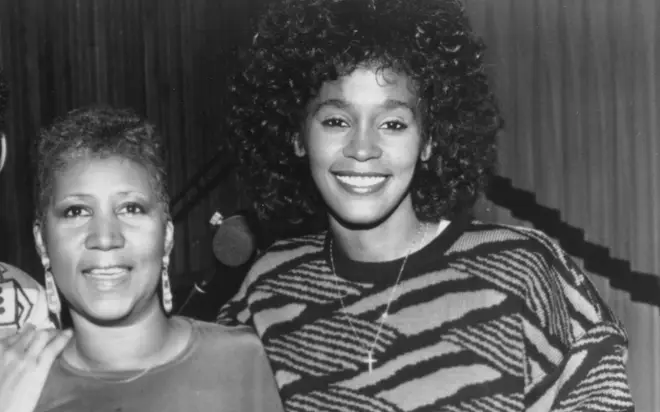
(109, 311)
(360, 217)
(364, 212)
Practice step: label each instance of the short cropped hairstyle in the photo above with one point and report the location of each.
(98, 132)
(300, 44)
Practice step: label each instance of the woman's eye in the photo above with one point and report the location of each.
(334, 122)
(394, 125)
(133, 209)
(75, 211)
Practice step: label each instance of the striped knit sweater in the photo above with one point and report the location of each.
(486, 318)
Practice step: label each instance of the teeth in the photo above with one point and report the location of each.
(108, 271)
(361, 181)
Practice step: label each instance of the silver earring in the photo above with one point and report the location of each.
(299, 146)
(165, 284)
(52, 297)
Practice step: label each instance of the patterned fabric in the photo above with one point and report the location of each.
(486, 318)
(22, 301)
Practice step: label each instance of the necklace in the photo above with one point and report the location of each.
(162, 354)
(142, 372)
(134, 377)
(369, 359)
(139, 373)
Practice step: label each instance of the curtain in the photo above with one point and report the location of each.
(578, 84)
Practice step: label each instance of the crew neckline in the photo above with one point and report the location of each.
(387, 271)
(119, 376)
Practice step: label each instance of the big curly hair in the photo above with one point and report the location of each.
(300, 44)
(97, 132)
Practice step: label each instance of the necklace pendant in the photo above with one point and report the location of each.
(370, 360)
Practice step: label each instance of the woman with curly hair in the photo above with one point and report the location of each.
(376, 119)
(104, 235)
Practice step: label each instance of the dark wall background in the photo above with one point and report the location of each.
(168, 59)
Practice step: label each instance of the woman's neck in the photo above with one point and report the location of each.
(400, 234)
(140, 344)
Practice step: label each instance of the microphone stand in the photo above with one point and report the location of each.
(200, 185)
(198, 288)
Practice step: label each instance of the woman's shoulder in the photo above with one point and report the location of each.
(489, 237)
(529, 263)
(522, 261)
(219, 336)
(221, 331)
(295, 246)
(221, 347)
(286, 252)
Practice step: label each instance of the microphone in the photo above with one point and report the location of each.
(233, 245)
(233, 241)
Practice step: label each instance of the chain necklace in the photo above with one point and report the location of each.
(369, 359)
(135, 377)
(139, 373)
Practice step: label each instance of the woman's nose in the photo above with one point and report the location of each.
(105, 233)
(363, 145)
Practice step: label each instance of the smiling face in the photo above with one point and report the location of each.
(363, 139)
(105, 235)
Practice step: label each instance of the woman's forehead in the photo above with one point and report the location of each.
(97, 175)
(369, 86)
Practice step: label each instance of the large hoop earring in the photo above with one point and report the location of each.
(53, 299)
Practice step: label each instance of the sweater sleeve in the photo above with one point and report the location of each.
(236, 311)
(575, 348)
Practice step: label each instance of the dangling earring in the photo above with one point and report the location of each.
(299, 146)
(165, 284)
(53, 298)
(426, 152)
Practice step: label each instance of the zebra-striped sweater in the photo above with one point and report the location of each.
(485, 318)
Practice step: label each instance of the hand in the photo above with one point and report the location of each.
(25, 361)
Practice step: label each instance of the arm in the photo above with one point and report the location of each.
(576, 350)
